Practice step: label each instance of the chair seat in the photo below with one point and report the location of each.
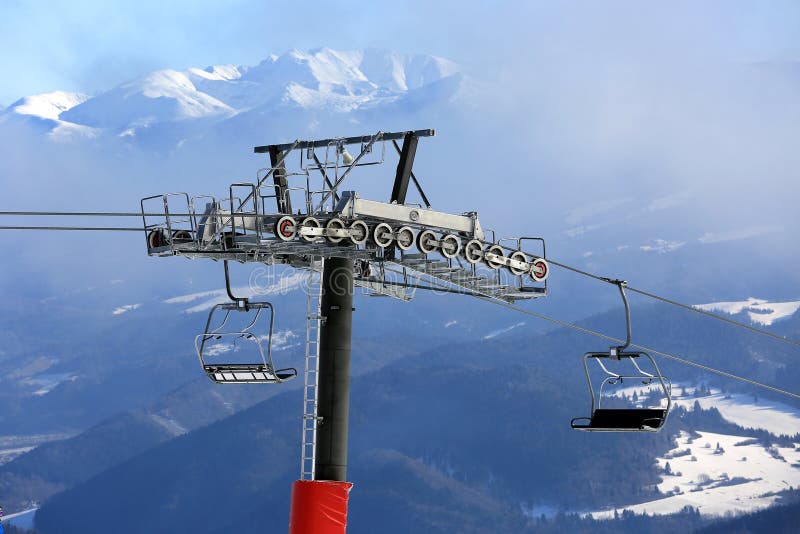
(631, 419)
(247, 373)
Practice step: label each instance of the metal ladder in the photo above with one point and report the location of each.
(310, 419)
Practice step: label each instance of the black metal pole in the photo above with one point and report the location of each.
(333, 396)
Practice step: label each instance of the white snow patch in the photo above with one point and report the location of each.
(216, 73)
(126, 308)
(48, 105)
(743, 410)
(169, 424)
(705, 477)
(45, 383)
(494, 334)
(7, 455)
(774, 417)
(758, 310)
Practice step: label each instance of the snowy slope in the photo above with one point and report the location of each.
(743, 410)
(741, 476)
(737, 477)
(46, 109)
(774, 417)
(47, 105)
(758, 310)
(160, 96)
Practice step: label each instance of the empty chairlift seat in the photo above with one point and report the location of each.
(236, 346)
(651, 388)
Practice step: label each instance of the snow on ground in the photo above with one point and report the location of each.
(14, 446)
(774, 417)
(46, 382)
(169, 424)
(48, 105)
(6, 455)
(734, 477)
(22, 519)
(125, 308)
(495, 333)
(758, 310)
(743, 410)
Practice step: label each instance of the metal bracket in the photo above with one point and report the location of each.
(241, 302)
(616, 352)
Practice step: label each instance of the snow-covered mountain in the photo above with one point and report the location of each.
(45, 110)
(322, 79)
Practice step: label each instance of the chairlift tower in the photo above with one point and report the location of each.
(387, 248)
(297, 213)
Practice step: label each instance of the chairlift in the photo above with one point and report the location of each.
(627, 419)
(252, 343)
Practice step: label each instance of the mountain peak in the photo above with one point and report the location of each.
(48, 105)
(318, 79)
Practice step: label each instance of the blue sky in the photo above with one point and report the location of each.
(90, 45)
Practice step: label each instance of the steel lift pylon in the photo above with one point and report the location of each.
(388, 248)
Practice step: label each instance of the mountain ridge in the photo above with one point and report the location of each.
(319, 79)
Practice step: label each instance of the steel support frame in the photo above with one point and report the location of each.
(282, 198)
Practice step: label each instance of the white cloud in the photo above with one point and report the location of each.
(260, 286)
(125, 308)
(580, 230)
(592, 209)
(284, 339)
(735, 235)
(662, 246)
(669, 201)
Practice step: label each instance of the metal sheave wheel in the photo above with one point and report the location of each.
(405, 238)
(309, 222)
(519, 256)
(473, 251)
(451, 246)
(497, 250)
(382, 235)
(540, 270)
(157, 238)
(335, 224)
(286, 228)
(426, 241)
(359, 232)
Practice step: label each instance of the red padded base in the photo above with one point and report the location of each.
(319, 507)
